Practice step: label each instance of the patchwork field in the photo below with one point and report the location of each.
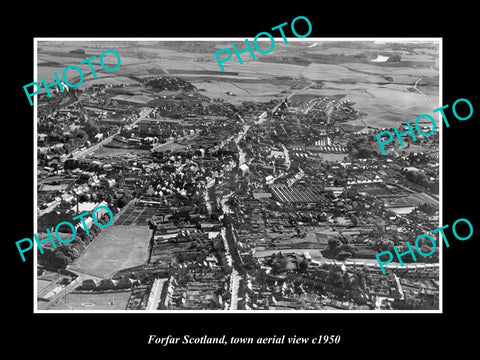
(381, 91)
(241, 91)
(382, 106)
(135, 216)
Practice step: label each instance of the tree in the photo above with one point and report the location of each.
(379, 231)
(349, 248)
(54, 259)
(422, 180)
(417, 177)
(91, 130)
(303, 265)
(361, 280)
(83, 197)
(342, 255)
(427, 208)
(383, 245)
(354, 220)
(335, 277)
(363, 153)
(122, 201)
(81, 134)
(334, 244)
(280, 265)
(406, 258)
(411, 176)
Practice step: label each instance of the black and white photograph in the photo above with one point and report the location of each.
(261, 187)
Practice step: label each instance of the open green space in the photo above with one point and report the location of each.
(115, 248)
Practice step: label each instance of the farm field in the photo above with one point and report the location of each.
(242, 91)
(115, 248)
(384, 106)
(379, 90)
(383, 103)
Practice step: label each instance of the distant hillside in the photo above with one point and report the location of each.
(202, 47)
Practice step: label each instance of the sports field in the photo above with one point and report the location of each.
(116, 300)
(115, 248)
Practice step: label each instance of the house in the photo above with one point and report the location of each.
(243, 169)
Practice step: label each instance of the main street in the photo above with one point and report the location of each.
(230, 249)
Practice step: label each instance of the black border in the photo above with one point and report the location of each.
(362, 334)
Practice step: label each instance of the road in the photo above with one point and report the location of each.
(235, 285)
(143, 115)
(415, 85)
(229, 249)
(240, 136)
(234, 276)
(155, 294)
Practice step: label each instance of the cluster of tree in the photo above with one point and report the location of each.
(417, 177)
(394, 58)
(71, 140)
(427, 208)
(91, 130)
(59, 258)
(384, 245)
(280, 264)
(71, 164)
(250, 262)
(77, 51)
(54, 217)
(356, 280)
(378, 231)
(361, 147)
(126, 197)
(353, 218)
(418, 158)
(340, 247)
(170, 83)
(200, 244)
(194, 255)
